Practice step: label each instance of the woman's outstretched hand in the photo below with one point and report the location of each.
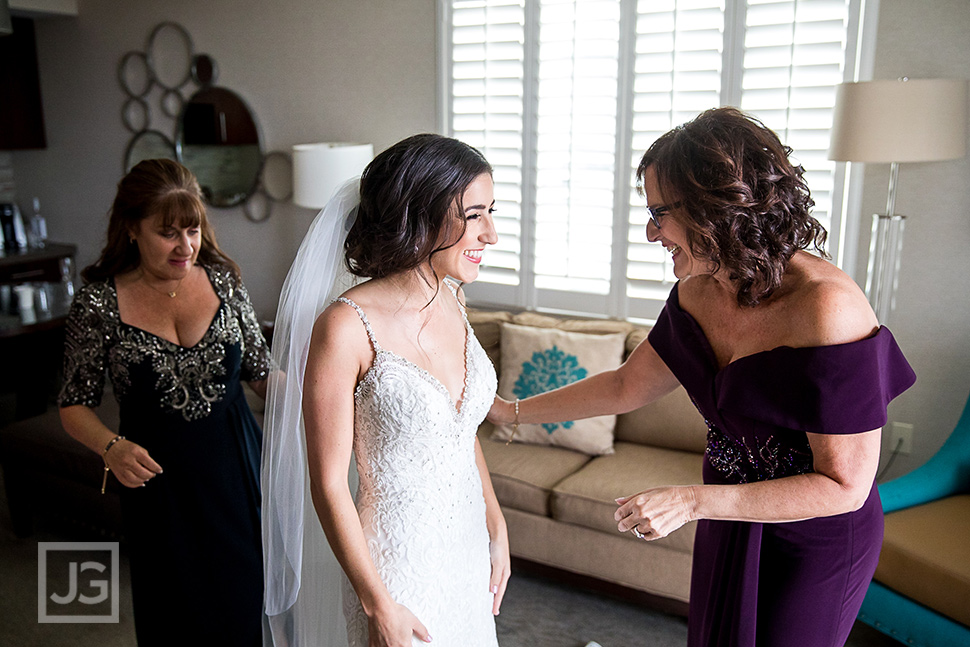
(394, 627)
(656, 512)
(502, 412)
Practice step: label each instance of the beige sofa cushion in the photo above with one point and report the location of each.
(592, 326)
(588, 497)
(536, 360)
(926, 555)
(523, 475)
(488, 329)
(649, 425)
(672, 421)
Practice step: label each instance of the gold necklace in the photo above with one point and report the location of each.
(172, 294)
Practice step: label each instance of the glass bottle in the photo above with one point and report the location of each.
(37, 231)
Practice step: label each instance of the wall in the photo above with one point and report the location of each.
(932, 317)
(311, 70)
(316, 70)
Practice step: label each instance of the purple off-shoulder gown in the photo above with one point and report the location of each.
(774, 584)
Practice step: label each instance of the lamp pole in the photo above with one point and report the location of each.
(885, 254)
(893, 121)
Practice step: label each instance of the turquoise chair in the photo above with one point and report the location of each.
(947, 473)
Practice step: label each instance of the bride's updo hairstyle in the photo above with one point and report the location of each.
(408, 199)
(728, 179)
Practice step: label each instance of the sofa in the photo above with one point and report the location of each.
(559, 503)
(920, 594)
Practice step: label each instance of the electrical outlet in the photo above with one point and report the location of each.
(901, 431)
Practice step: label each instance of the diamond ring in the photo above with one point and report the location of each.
(637, 533)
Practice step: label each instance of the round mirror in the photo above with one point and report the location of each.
(219, 141)
(148, 145)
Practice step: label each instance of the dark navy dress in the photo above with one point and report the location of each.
(193, 531)
(780, 584)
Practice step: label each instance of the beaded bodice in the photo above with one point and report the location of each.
(187, 381)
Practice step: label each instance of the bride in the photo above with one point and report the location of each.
(391, 374)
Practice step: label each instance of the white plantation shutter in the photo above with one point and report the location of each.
(794, 57)
(563, 96)
(575, 152)
(679, 54)
(487, 108)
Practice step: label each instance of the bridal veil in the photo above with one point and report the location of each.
(302, 576)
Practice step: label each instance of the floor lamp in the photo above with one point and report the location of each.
(907, 120)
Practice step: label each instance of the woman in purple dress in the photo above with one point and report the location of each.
(784, 358)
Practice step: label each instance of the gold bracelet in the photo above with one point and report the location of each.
(104, 457)
(515, 424)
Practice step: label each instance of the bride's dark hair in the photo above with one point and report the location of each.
(408, 195)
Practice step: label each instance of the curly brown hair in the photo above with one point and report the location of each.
(745, 205)
(155, 186)
(408, 195)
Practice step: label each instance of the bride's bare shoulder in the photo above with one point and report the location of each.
(339, 324)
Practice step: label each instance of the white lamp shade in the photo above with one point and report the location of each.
(320, 169)
(915, 120)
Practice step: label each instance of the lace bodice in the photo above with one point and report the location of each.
(420, 496)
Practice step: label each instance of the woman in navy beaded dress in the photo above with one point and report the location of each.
(165, 315)
(784, 358)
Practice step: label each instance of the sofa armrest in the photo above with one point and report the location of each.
(945, 474)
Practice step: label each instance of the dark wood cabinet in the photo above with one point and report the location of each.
(36, 265)
(21, 109)
(32, 353)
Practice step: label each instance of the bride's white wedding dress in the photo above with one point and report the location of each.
(420, 496)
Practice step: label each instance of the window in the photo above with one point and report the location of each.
(563, 96)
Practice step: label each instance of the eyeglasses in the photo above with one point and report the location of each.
(661, 211)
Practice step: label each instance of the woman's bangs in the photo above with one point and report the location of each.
(181, 210)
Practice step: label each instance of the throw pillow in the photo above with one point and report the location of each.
(536, 360)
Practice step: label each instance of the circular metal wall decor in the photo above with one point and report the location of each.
(204, 70)
(276, 178)
(135, 115)
(147, 145)
(135, 75)
(172, 103)
(217, 136)
(169, 55)
(258, 207)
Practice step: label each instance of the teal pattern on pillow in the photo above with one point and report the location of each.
(548, 370)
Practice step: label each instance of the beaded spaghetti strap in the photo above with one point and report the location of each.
(454, 291)
(363, 318)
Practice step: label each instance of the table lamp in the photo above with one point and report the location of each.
(320, 169)
(906, 120)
